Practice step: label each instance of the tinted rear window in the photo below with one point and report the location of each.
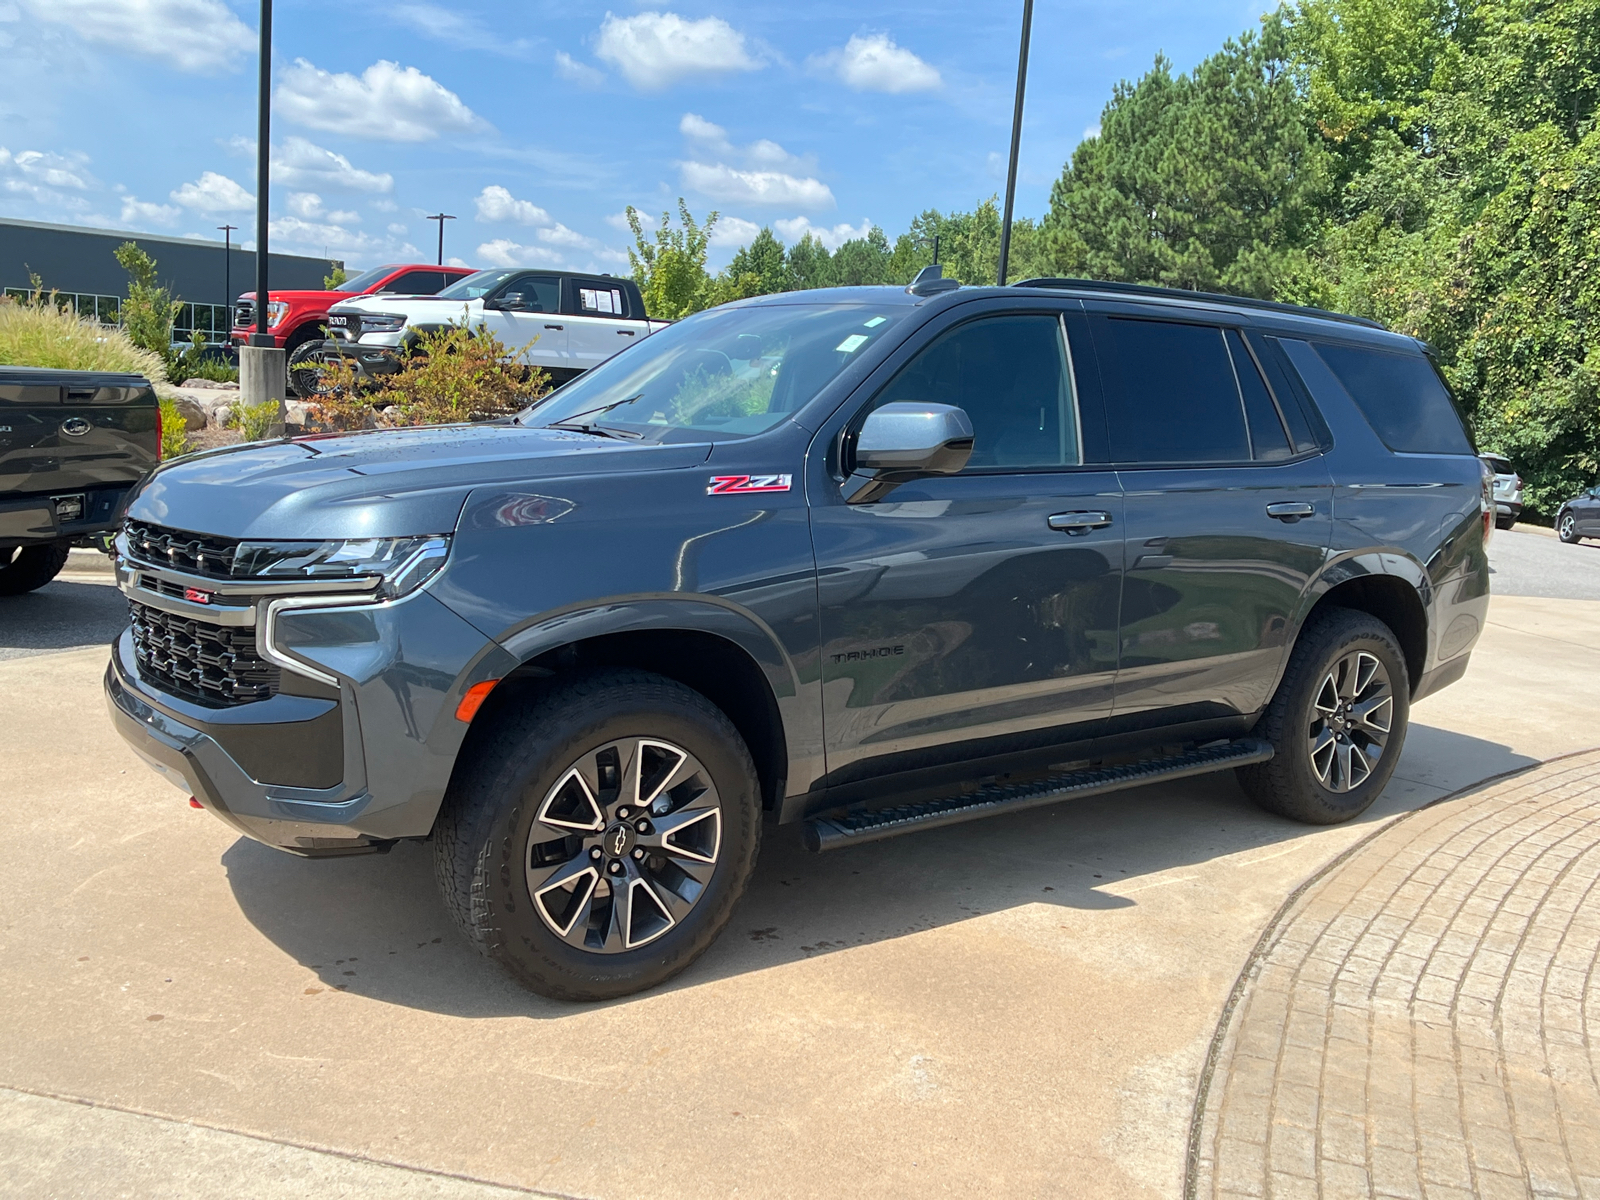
(1401, 396)
(1178, 401)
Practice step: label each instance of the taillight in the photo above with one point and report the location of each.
(1487, 500)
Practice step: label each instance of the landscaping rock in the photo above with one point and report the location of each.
(207, 384)
(192, 413)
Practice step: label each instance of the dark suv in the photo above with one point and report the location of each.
(868, 559)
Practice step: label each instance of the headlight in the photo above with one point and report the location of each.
(382, 323)
(276, 309)
(402, 565)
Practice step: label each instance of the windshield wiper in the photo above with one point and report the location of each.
(577, 423)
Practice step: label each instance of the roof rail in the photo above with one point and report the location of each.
(1148, 289)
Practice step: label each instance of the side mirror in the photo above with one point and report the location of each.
(511, 303)
(904, 441)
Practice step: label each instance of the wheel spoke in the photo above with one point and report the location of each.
(564, 894)
(1359, 767)
(671, 767)
(1346, 671)
(1376, 716)
(572, 804)
(694, 833)
(1322, 748)
(1341, 760)
(1327, 700)
(1366, 668)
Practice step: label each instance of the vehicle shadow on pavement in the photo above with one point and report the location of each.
(375, 925)
(62, 615)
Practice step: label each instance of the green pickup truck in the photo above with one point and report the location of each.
(72, 445)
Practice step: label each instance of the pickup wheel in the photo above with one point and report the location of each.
(305, 370)
(28, 568)
(600, 837)
(1337, 721)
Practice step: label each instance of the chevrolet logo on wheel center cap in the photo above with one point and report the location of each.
(618, 839)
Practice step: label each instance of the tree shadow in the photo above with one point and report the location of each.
(376, 926)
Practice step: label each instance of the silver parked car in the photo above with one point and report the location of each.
(1507, 491)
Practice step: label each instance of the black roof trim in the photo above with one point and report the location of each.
(1147, 289)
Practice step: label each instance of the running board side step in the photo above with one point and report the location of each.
(831, 833)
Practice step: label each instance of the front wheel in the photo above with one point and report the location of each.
(1567, 527)
(1337, 721)
(599, 841)
(305, 370)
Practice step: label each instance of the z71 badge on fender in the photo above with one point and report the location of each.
(733, 485)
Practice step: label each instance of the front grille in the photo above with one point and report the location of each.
(244, 314)
(348, 328)
(196, 553)
(216, 665)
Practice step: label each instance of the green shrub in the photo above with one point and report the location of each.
(37, 333)
(174, 431)
(192, 363)
(333, 279)
(149, 310)
(253, 420)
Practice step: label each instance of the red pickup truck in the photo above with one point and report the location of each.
(297, 320)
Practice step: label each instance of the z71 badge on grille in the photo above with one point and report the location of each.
(737, 485)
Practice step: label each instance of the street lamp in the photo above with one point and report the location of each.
(263, 371)
(227, 270)
(1016, 139)
(441, 218)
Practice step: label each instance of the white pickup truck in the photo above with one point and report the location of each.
(561, 322)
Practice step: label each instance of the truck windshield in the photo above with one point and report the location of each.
(471, 287)
(729, 371)
(365, 280)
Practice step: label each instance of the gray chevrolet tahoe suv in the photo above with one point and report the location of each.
(870, 560)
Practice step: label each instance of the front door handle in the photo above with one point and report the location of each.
(624, 333)
(1291, 510)
(1079, 522)
(555, 326)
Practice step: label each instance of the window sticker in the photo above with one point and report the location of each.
(852, 343)
(875, 322)
(596, 300)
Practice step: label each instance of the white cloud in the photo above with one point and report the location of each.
(1092, 131)
(309, 206)
(213, 193)
(41, 173)
(503, 252)
(300, 163)
(873, 63)
(201, 36)
(559, 235)
(758, 181)
(336, 241)
(142, 212)
(458, 29)
(573, 71)
(734, 231)
(792, 229)
(387, 103)
(496, 203)
(654, 50)
(398, 229)
(721, 182)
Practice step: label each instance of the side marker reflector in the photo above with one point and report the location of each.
(473, 700)
(195, 803)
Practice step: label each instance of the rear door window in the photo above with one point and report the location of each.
(1401, 396)
(1269, 442)
(1172, 396)
(599, 298)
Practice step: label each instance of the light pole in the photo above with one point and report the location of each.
(227, 274)
(1016, 140)
(263, 371)
(441, 218)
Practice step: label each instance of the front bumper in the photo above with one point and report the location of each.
(340, 770)
(368, 362)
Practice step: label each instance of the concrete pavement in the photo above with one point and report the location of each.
(1021, 1006)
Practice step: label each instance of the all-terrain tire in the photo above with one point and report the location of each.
(1290, 783)
(31, 567)
(304, 374)
(482, 836)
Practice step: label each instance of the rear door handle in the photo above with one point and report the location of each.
(624, 333)
(1291, 510)
(555, 326)
(1079, 522)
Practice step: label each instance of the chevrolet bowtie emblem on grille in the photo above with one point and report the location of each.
(196, 596)
(737, 485)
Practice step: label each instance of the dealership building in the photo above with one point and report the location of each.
(79, 264)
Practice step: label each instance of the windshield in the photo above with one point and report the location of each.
(728, 371)
(365, 280)
(476, 284)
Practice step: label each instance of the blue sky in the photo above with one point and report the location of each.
(536, 123)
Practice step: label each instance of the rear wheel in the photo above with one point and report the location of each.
(1337, 721)
(599, 841)
(28, 568)
(1567, 527)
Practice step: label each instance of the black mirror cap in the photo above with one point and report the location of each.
(907, 440)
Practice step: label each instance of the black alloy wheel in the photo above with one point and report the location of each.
(599, 833)
(1337, 721)
(305, 370)
(1567, 527)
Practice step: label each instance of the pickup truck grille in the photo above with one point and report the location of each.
(244, 314)
(195, 553)
(213, 664)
